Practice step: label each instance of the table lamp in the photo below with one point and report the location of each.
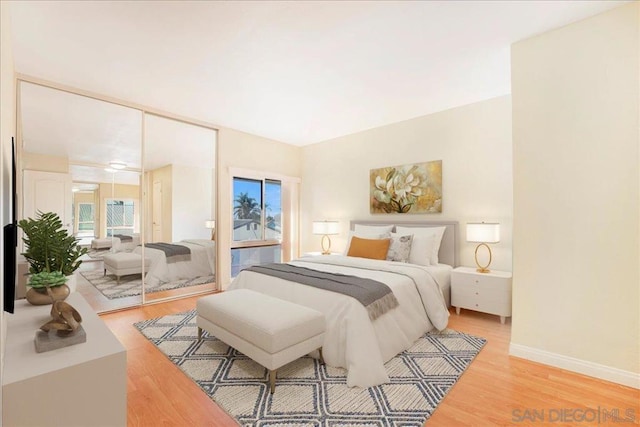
(483, 233)
(326, 228)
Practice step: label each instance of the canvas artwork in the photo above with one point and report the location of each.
(415, 188)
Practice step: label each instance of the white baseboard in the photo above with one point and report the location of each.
(619, 376)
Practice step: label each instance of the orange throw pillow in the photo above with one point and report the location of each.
(369, 248)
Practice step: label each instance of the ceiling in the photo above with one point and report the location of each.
(91, 134)
(297, 72)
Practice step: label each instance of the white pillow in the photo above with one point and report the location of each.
(372, 229)
(425, 249)
(400, 247)
(364, 235)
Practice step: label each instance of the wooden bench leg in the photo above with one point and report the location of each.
(199, 333)
(272, 380)
(321, 358)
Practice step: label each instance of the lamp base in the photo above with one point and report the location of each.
(483, 268)
(326, 245)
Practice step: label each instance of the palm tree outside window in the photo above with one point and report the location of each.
(257, 222)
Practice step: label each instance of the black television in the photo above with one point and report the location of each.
(10, 240)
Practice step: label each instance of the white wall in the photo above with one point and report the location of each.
(191, 202)
(576, 299)
(7, 130)
(474, 144)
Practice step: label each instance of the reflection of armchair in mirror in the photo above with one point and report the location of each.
(81, 158)
(179, 165)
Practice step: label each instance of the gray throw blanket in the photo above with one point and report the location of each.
(375, 296)
(123, 237)
(174, 253)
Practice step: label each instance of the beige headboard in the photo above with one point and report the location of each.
(448, 248)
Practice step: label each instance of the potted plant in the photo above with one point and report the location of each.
(52, 255)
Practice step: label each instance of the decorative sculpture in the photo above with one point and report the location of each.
(66, 324)
(66, 319)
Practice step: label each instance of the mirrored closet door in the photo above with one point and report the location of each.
(179, 222)
(81, 158)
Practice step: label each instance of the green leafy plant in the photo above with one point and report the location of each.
(49, 249)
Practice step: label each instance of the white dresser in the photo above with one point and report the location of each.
(485, 292)
(80, 385)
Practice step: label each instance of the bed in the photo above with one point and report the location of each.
(352, 340)
(200, 264)
(125, 244)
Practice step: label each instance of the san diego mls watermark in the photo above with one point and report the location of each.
(592, 416)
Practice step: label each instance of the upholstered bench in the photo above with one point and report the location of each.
(123, 263)
(271, 331)
(101, 243)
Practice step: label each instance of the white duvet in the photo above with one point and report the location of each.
(202, 263)
(352, 341)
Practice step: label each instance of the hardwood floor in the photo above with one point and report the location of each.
(495, 390)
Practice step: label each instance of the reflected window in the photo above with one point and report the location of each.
(120, 217)
(86, 219)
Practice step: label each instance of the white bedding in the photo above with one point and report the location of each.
(128, 246)
(352, 341)
(202, 262)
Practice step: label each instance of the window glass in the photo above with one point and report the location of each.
(242, 258)
(247, 209)
(273, 208)
(85, 217)
(120, 217)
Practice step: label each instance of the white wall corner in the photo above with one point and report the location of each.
(603, 372)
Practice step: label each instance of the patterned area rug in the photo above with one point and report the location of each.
(131, 285)
(307, 393)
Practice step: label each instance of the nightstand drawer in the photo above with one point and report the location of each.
(479, 281)
(487, 301)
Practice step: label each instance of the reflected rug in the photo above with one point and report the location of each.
(307, 393)
(131, 285)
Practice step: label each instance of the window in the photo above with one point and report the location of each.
(86, 218)
(257, 222)
(257, 210)
(120, 216)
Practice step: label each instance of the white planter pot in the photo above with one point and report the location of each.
(71, 283)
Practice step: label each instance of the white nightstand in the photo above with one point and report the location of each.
(485, 292)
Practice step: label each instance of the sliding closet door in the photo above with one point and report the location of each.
(180, 209)
(93, 149)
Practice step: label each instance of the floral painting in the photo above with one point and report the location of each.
(404, 189)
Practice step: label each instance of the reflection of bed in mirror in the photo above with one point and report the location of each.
(123, 243)
(166, 268)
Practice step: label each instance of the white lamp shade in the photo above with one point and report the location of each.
(326, 227)
(482, 232)
(210, 223)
